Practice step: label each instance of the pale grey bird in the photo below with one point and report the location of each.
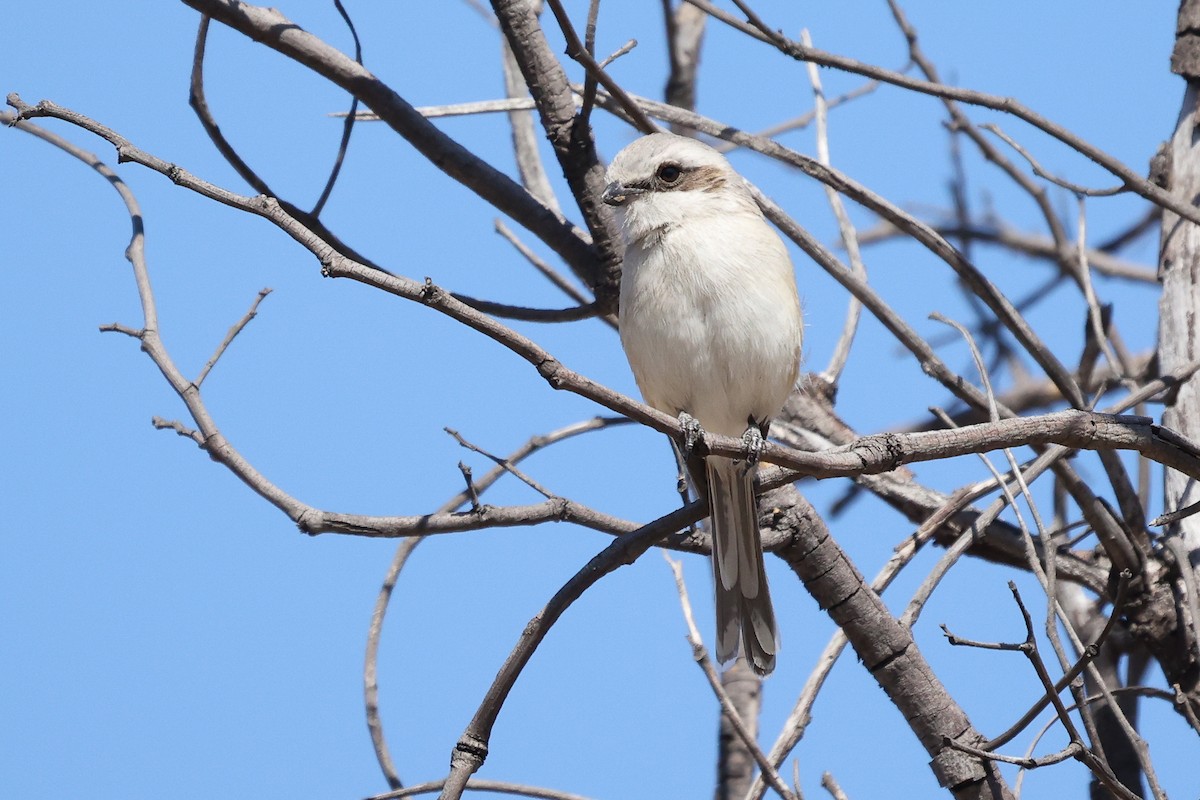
(710, 321)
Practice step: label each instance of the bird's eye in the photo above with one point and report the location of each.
(669, 173)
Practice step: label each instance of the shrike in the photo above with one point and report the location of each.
(710, 322)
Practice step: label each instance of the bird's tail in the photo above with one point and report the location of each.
(743, 602)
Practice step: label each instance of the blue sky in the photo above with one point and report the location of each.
(167, 631)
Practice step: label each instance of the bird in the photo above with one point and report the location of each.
(711, 323)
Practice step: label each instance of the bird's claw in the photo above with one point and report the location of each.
(692, 432)
(753, 440)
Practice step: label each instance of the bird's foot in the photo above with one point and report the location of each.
(692, 433)
(753, 440)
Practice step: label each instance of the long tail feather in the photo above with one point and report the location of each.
(743, 600)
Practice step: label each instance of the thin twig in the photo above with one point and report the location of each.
(804, 120)
(700, 654)
(526, 314)
(506, 105)
(481, 785)
(229, 337)
(175, 425)
(833, 787)
(116, 327)
(1045, 572)
(589, 46)
(503, 463)
(1131, 179)
(841, 352)
(550, 273)
(347, 125)
(1089, 655)
(371, 661)
(903, 554)
(472, 492)
(404, 551)
(577, 51)
(997, 233)
(1041, 173)
(624, 49)
(1072, 750)
(540, 265)
(198, 100)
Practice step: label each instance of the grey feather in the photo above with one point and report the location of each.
(743, 600)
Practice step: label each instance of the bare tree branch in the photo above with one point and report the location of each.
(573, 146)
(370, 662)
(1008, 105)
(472, 747)
(841, 352)
(229, 337)
(887, 651)
(745, 729)
(272, 29)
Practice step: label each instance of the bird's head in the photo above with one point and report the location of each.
(663, 180)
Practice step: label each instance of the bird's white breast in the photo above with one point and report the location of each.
(710, 320)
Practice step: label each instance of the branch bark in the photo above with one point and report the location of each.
(886, 649)
(1170, 632)
(573, 143)
(271, 28)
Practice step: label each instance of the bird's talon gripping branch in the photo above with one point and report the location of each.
(753, 440)
(692, 432)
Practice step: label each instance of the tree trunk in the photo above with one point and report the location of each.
(1173, 643)
(735, 764)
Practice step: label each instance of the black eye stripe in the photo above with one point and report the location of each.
(691, 178)
(658, 183)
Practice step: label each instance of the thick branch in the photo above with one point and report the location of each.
(573, 144)
(886, 648)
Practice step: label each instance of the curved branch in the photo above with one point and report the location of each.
(525, 314)
(472, 748)
(1028, 244)
(382, 601)
(476, 785)
(371, 660)
(270, 27)
(872, 454)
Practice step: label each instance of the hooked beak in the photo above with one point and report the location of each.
(617, 195)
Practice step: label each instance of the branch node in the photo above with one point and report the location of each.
(472, 492)
(431, 293)
(472, 747)
(549, 368)
(179, 428)
(116, 327)
(304, 523)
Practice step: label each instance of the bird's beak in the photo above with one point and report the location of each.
(617, 195)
